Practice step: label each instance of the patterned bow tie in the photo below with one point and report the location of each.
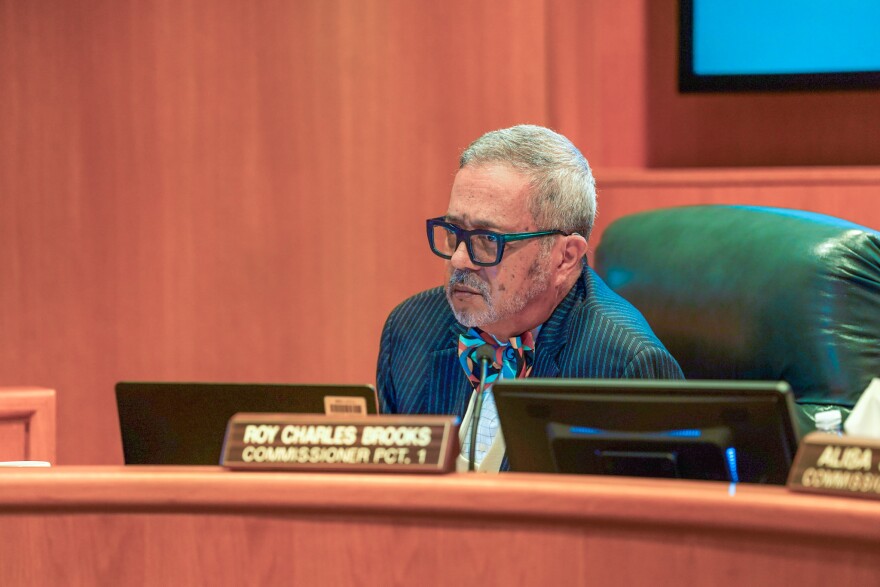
(511, 360)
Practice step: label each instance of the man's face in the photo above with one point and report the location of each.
(500, 299)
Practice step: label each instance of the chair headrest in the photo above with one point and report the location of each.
(744, 292)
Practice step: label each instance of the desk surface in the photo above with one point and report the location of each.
(152, 525)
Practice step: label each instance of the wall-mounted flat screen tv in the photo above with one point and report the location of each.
(772, 45)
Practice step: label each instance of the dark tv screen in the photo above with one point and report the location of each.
(771, 45)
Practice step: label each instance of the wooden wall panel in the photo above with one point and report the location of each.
(849, 193)
(613, 74)
(231, 191)
(235, 191)
(748, 129)
(597, 79)
(27, 424)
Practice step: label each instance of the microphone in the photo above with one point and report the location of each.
(485, 355)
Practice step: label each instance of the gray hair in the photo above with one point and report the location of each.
(563, 189)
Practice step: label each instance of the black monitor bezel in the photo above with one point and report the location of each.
(691, 82)
(527, 407)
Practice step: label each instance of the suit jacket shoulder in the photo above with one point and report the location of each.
(418, 370)
(607, 337)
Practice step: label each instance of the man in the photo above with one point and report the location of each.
(515, 239)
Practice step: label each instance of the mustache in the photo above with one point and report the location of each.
(468, 279)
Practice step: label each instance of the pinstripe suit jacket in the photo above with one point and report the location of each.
(593, 333)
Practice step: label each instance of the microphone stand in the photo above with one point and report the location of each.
(484, 354)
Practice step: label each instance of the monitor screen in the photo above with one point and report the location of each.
(709, 430)
(769, 45)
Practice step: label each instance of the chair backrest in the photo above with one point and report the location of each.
(745, 292)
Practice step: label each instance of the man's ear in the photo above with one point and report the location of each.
(573, 250)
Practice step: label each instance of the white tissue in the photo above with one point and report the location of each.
(865, 417)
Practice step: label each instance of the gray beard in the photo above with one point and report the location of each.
(495, 312)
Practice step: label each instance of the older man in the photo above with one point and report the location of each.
(514, 238)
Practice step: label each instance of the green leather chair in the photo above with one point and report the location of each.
(745, 292)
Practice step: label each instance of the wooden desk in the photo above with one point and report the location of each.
(200, 526)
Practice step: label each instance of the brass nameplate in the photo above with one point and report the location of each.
(311, 442)
(837, 465)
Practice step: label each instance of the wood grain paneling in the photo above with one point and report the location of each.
(849, 193)
(231, 191)
(234, 191)
(155, 526)
(27, 424)
(597, 80)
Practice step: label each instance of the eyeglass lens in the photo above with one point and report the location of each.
(484, 247)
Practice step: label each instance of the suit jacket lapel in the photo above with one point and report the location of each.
(554, 334)
(446, 388)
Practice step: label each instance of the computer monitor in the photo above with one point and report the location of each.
(709, 430)
(184, 423)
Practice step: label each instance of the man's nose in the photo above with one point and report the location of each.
(460, 258)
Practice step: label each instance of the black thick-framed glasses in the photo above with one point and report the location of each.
(484, 247)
